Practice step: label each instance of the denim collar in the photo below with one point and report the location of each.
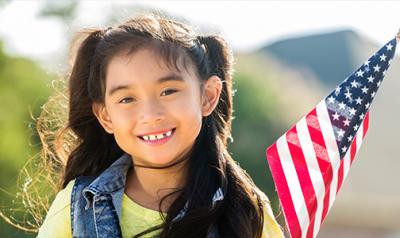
(113, 178)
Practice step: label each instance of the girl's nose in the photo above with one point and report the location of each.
(151, 112)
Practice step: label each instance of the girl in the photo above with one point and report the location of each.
(150, 107)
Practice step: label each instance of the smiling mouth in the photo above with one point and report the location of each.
(160, 138)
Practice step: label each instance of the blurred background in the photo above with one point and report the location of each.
(289, 56)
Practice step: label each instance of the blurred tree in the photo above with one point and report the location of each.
(22, 91)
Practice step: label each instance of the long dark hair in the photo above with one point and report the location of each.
(88, 149)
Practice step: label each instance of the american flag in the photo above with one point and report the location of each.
(311, 160)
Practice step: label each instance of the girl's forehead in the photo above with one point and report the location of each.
(147, 64)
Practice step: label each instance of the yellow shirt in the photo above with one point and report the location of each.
(58, 223)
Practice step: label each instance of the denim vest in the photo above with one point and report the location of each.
(96, 202)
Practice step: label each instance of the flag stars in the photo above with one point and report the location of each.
(361, 116)
(384, 72)
(331, 100)
(377, 68)
(341, 133)
(366, 63)
(389, 46)
(367, 105)
(352, 111)
(351, 100)
(358, 100)
(344, 149)
(370, 79)
(348, 94)
(337, 90)
(336, 116)
(360, 73)
(354, 84)
(349, 138)
(355, 127)
(364, 90)
(379, 83)
(342, 105)
(383, 57)
(346, 122)
(373, 94)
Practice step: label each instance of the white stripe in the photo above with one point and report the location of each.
(331, 147)
(313, 169)
(293, 183)
(360, 136)
(346, 164)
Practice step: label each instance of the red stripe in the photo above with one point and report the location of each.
(340, 175)
(283, 191)
(353, 149)
(366, 124)
(322, 156)
(310, 232)
(303, 174)
(326, 204)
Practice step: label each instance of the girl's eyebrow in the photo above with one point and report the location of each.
(167, 78)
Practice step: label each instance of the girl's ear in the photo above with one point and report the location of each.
(102, 116)
(211, 94)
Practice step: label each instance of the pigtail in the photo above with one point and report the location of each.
(219, 61)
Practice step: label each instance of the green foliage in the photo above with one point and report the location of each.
(255, 126)
(22, 91)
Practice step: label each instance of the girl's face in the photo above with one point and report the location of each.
(154, 112)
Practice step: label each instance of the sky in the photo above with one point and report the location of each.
(246, 25)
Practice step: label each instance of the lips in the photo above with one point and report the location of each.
(157, 141)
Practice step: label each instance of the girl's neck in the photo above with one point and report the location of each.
(147, 186)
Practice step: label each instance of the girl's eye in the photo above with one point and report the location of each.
(124, 99)
(170, 90)
(131, 99)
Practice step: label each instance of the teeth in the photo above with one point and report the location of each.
(157, 137)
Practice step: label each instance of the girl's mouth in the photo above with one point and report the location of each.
(157, 139)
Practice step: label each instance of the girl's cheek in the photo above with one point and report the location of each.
(188, 100)
(122, 115)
